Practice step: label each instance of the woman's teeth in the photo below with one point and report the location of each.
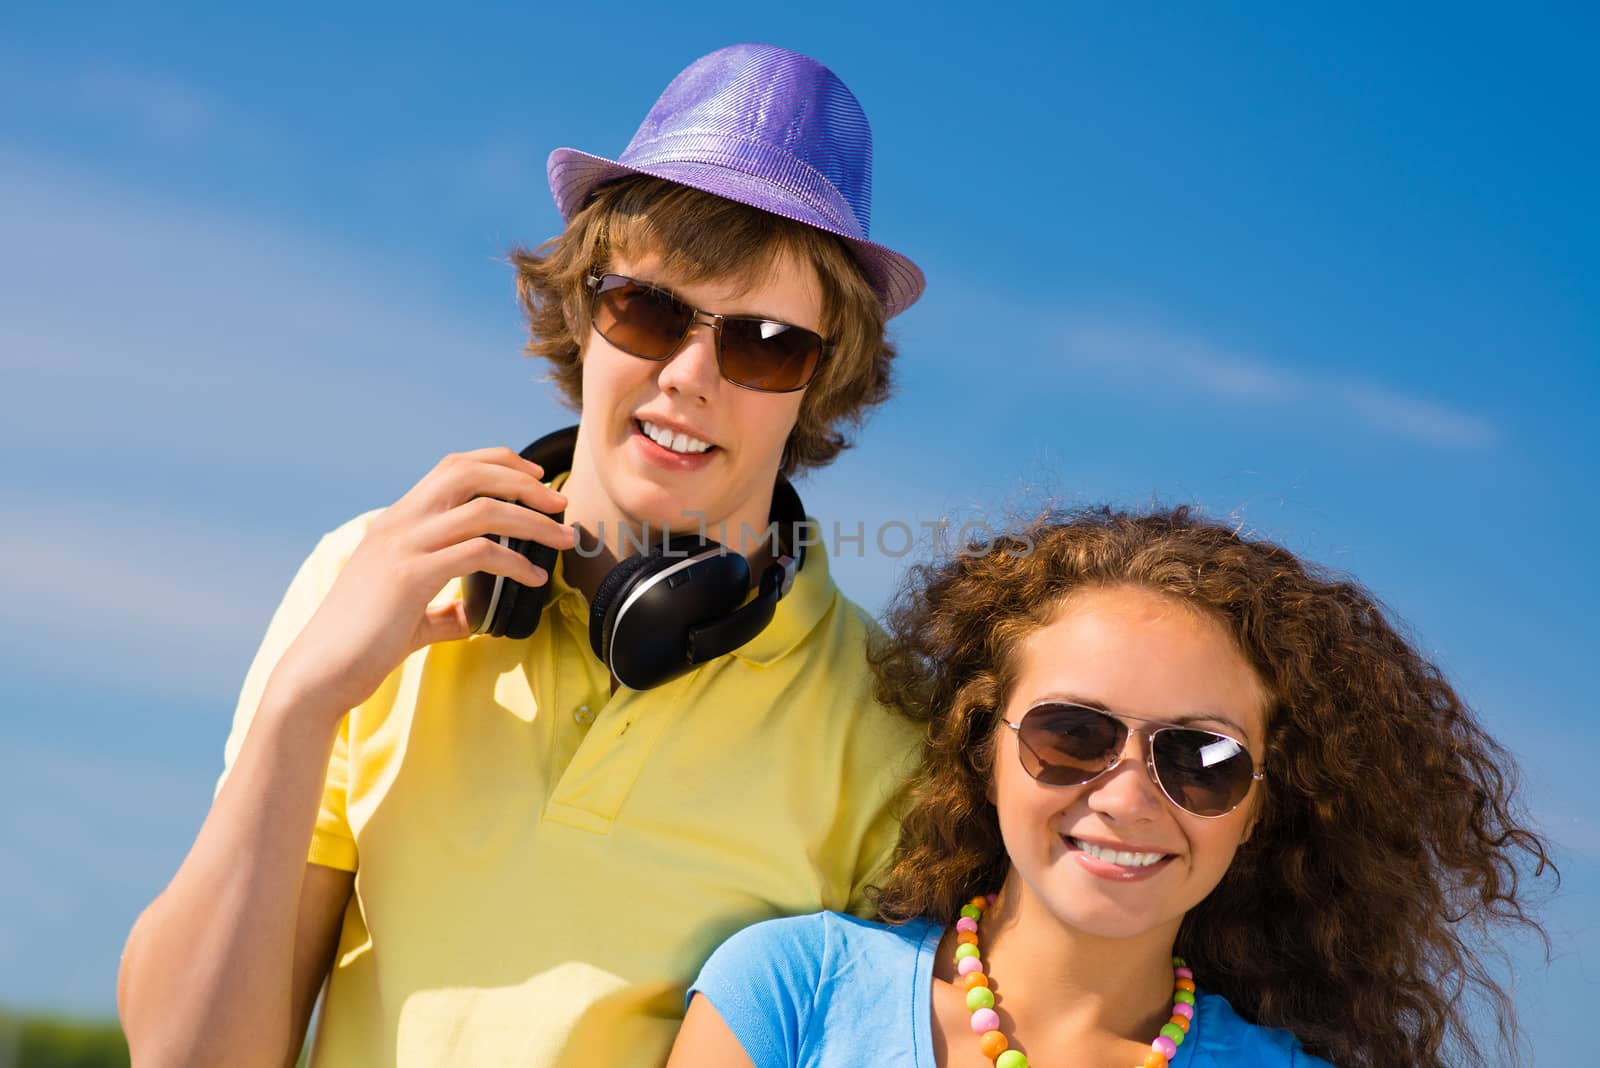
(679, 442)
(1112, 856)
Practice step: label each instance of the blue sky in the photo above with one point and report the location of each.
(1331, 274)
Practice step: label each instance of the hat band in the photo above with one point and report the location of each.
(789, 177)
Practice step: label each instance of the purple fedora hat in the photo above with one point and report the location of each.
(766, 127)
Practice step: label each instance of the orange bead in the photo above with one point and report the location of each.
(1186, 984)
(992, 1044)
(979, 902)
(967, 936)
(972, 979)
(1155, 1059)
(1182, 1022)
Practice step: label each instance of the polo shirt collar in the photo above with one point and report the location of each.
(799, 612)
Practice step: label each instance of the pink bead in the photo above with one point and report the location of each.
(1184, 1009)
(967, 923)
(968, 964)
(991, 898)
(1183, 973)
(985, 1020)
(1165, 1046)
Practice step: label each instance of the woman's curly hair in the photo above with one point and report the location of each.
(701, 237)
(1387, 851)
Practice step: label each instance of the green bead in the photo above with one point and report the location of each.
(965, 950)
(1011, 1058)
(1177, 962)
(1185, 996)
(1174, 1032)
(980, 997)
(972, 912)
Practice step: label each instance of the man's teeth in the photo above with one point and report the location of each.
(1111, 856)
(679, 442)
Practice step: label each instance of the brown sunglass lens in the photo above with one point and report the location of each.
(768, 355)
(1064, 745)
(639, 320)
(1207, 774)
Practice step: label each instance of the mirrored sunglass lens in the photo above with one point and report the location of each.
(1204, 773)
(640, 320)
(768, 355)
(1063, 745)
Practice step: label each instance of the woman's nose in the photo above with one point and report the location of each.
(1128, 792)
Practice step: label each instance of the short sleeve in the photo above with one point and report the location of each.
(332, 843)
(763, 982)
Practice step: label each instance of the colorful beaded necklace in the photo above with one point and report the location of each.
(986, 1022)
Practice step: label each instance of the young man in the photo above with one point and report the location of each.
(494, 851)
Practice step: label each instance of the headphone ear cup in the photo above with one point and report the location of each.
(646, 632)
(518, 612)
(603, 609)
(502, 607)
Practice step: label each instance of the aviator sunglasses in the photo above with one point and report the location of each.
(649, 322)
(1202, 772)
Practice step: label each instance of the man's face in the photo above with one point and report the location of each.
(642, 476)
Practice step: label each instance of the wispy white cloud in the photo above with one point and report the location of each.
(146, 103)
(163, 604)
(1156, 358)
(1417, 417)
(225, 367)
(154, 104)
(1153, 356)
(144, 324)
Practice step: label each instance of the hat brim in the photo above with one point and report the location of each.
(575, 175)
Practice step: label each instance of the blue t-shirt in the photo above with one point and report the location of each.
(829, 990)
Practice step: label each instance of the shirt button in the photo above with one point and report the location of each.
(583, 716)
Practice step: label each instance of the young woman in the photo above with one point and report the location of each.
(1185, 801)
(516, 848)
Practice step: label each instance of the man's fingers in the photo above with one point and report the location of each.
(484, 554)
(487, 515)
(445, 623)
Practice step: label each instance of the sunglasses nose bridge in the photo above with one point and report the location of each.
(1142, 755)
(712, 323)
(705, 318)
(696, 372)
(1147, 738)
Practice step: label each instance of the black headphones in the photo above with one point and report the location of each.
(659, 613)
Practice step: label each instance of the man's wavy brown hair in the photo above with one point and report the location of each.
(1388, 851)
(701, 237)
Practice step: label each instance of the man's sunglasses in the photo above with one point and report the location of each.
(1202, 772)
(649, 322)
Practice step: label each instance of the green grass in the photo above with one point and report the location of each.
(37, 1040)
(46, 1040)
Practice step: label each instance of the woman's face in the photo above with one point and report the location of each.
(1133, 653)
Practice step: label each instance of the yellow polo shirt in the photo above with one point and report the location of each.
(542, 866)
